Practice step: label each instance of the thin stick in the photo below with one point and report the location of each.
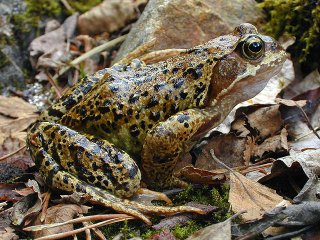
(90, 53)
(12, 153)
(308, 121)
(77, 220)
(79, 230)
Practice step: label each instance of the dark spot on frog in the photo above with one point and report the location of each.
(91, 179)
(126, 120)
(113, 88)
(183, 95)
(105, 128)
(99, 178)
(80, 188)
(55, 113)
(134, 130)
(95, 166)
(130, 112)
(120, 106)
(186, 125)
(145, 94)
(133, 98)
(167, 97)
(152, 102)
(143, 125)
(69, 102)
(174, 70)
(159, 86)
(150, 126)
(106, 183)
(178, 82)
(65, 179)
(165, 71)
(155, 116)
(174, 108)
(182, 117)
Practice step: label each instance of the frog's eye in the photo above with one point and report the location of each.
(252, 48)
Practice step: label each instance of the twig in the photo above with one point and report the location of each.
(53, 83)
(12, 153)
(67, 5)
(79, 230)
(77, 220)
(90, 53)
(308, 121)
(45, 206)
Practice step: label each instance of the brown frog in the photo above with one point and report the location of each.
(93, 139)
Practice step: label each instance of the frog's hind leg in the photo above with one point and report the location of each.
(73, 162)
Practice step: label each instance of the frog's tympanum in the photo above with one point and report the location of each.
(95, 137)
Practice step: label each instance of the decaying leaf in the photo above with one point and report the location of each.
(7, 192)
(17, 115)
(250, 196)
(109, 16)
(28, 207)
(202, 176)
(56, 214)
(228, 148)
(217, 231)
(277, 143)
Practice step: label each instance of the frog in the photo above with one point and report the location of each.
(131, 123)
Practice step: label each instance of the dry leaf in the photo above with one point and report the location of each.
(109, 16)
(56, 214)
(7, 192)
(250, 196)
(217, 231)
(202, 176)
(29, 206)
(272, 144)
(227, 147)
(266, 121)
(17, 115)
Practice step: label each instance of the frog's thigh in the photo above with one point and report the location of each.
(166, 141)
(91, 159)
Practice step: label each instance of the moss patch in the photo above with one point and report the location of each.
(214, 196)
(299, 18)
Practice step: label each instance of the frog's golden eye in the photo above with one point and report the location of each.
(252, 48)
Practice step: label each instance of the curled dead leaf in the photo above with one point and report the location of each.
(202, 176)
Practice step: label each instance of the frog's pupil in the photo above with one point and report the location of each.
(255, 46)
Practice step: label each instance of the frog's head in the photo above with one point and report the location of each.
(248, 61)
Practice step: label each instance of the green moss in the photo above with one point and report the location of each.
(299, 18)
(84, 5)
(182, 232)
(34, 11)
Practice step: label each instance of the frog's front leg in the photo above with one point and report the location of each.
(73, 162)
(167, 140)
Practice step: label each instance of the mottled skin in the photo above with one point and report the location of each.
(92, 138)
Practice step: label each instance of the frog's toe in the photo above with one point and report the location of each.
(142, 192)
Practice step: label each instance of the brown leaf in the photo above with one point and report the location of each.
(250, 196)
(56, 214)
(16, 116)
(109, 16)
(227, 147)
(16, 107)
(213, 232)
(7, 192)
(266, 121)
(202, 176)
(28, 206)
(276, 143)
